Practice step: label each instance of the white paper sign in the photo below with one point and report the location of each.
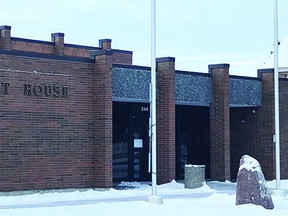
(138, 143)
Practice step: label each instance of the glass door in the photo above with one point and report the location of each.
(139, 145)
(130, 141)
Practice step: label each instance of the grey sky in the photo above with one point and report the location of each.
(196, 33)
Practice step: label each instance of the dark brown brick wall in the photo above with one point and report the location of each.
(243, 136)
(52, 142)
(255, 136)
(220, 123)
(166, 155)
(56, 142)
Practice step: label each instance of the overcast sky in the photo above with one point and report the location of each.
(196, 33)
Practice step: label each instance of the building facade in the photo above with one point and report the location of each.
(75, 116)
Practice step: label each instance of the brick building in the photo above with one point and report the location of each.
(75, 116)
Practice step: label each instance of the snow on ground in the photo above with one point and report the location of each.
(214, 198)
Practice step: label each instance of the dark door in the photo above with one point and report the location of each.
(139, 145)
(130, 141)
(192, 138)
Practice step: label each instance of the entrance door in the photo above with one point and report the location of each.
(130, 141)
(192, 138)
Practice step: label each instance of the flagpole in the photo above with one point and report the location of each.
(154, 198)
(276, 95)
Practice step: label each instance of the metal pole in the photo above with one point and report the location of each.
(153, 99)
(154, 198)
(150, 129)
(276, 95)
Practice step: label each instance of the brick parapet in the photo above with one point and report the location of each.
(57, 46)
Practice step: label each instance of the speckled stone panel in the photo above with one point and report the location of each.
(131, 84)
(245, 92)
(193, 89)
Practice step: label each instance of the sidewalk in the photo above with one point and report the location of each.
(216, 188)
(107, 200)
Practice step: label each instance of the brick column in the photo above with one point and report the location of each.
(166, 156)
(220, 122)
(58, 39)
(103, 121)
(283, 112)
(265, 149)
(5, 37)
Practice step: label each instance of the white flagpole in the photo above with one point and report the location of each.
(276, 95)
(154, 198)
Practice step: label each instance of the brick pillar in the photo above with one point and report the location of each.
(5, 37)
(58, 39)
(283, 112)
(265, 149)
(220, 122)
(103, 121)
(105, 44)
(166, 156)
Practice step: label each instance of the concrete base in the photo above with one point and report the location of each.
(155, 200)
(281, 193)
(194, 176)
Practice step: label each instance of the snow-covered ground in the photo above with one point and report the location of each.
(214, 198)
